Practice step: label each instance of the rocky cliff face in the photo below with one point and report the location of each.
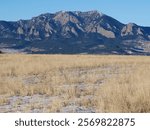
(75, 32)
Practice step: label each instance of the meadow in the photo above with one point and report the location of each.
(74, 83)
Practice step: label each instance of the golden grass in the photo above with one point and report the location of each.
(126, 93)
(4, 101)
(104, 83)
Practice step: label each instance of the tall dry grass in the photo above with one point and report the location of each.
(126, 93)
(103, 83)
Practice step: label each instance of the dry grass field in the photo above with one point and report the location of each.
(74, 83)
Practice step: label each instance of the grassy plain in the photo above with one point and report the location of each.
(74, 83)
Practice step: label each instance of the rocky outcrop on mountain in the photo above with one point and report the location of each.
(75, 32)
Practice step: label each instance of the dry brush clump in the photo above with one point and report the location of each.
(126, 93)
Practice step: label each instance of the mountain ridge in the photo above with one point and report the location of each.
(74, 32)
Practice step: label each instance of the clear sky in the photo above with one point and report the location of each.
(137, 11)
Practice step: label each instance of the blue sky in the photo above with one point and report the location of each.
(126, 11)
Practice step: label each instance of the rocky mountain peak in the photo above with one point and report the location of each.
(66, 16)
(89, 31)
(131, 29)
(95, 13)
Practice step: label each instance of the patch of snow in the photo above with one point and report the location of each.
(11, 51)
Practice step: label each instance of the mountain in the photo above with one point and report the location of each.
(74, 32)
